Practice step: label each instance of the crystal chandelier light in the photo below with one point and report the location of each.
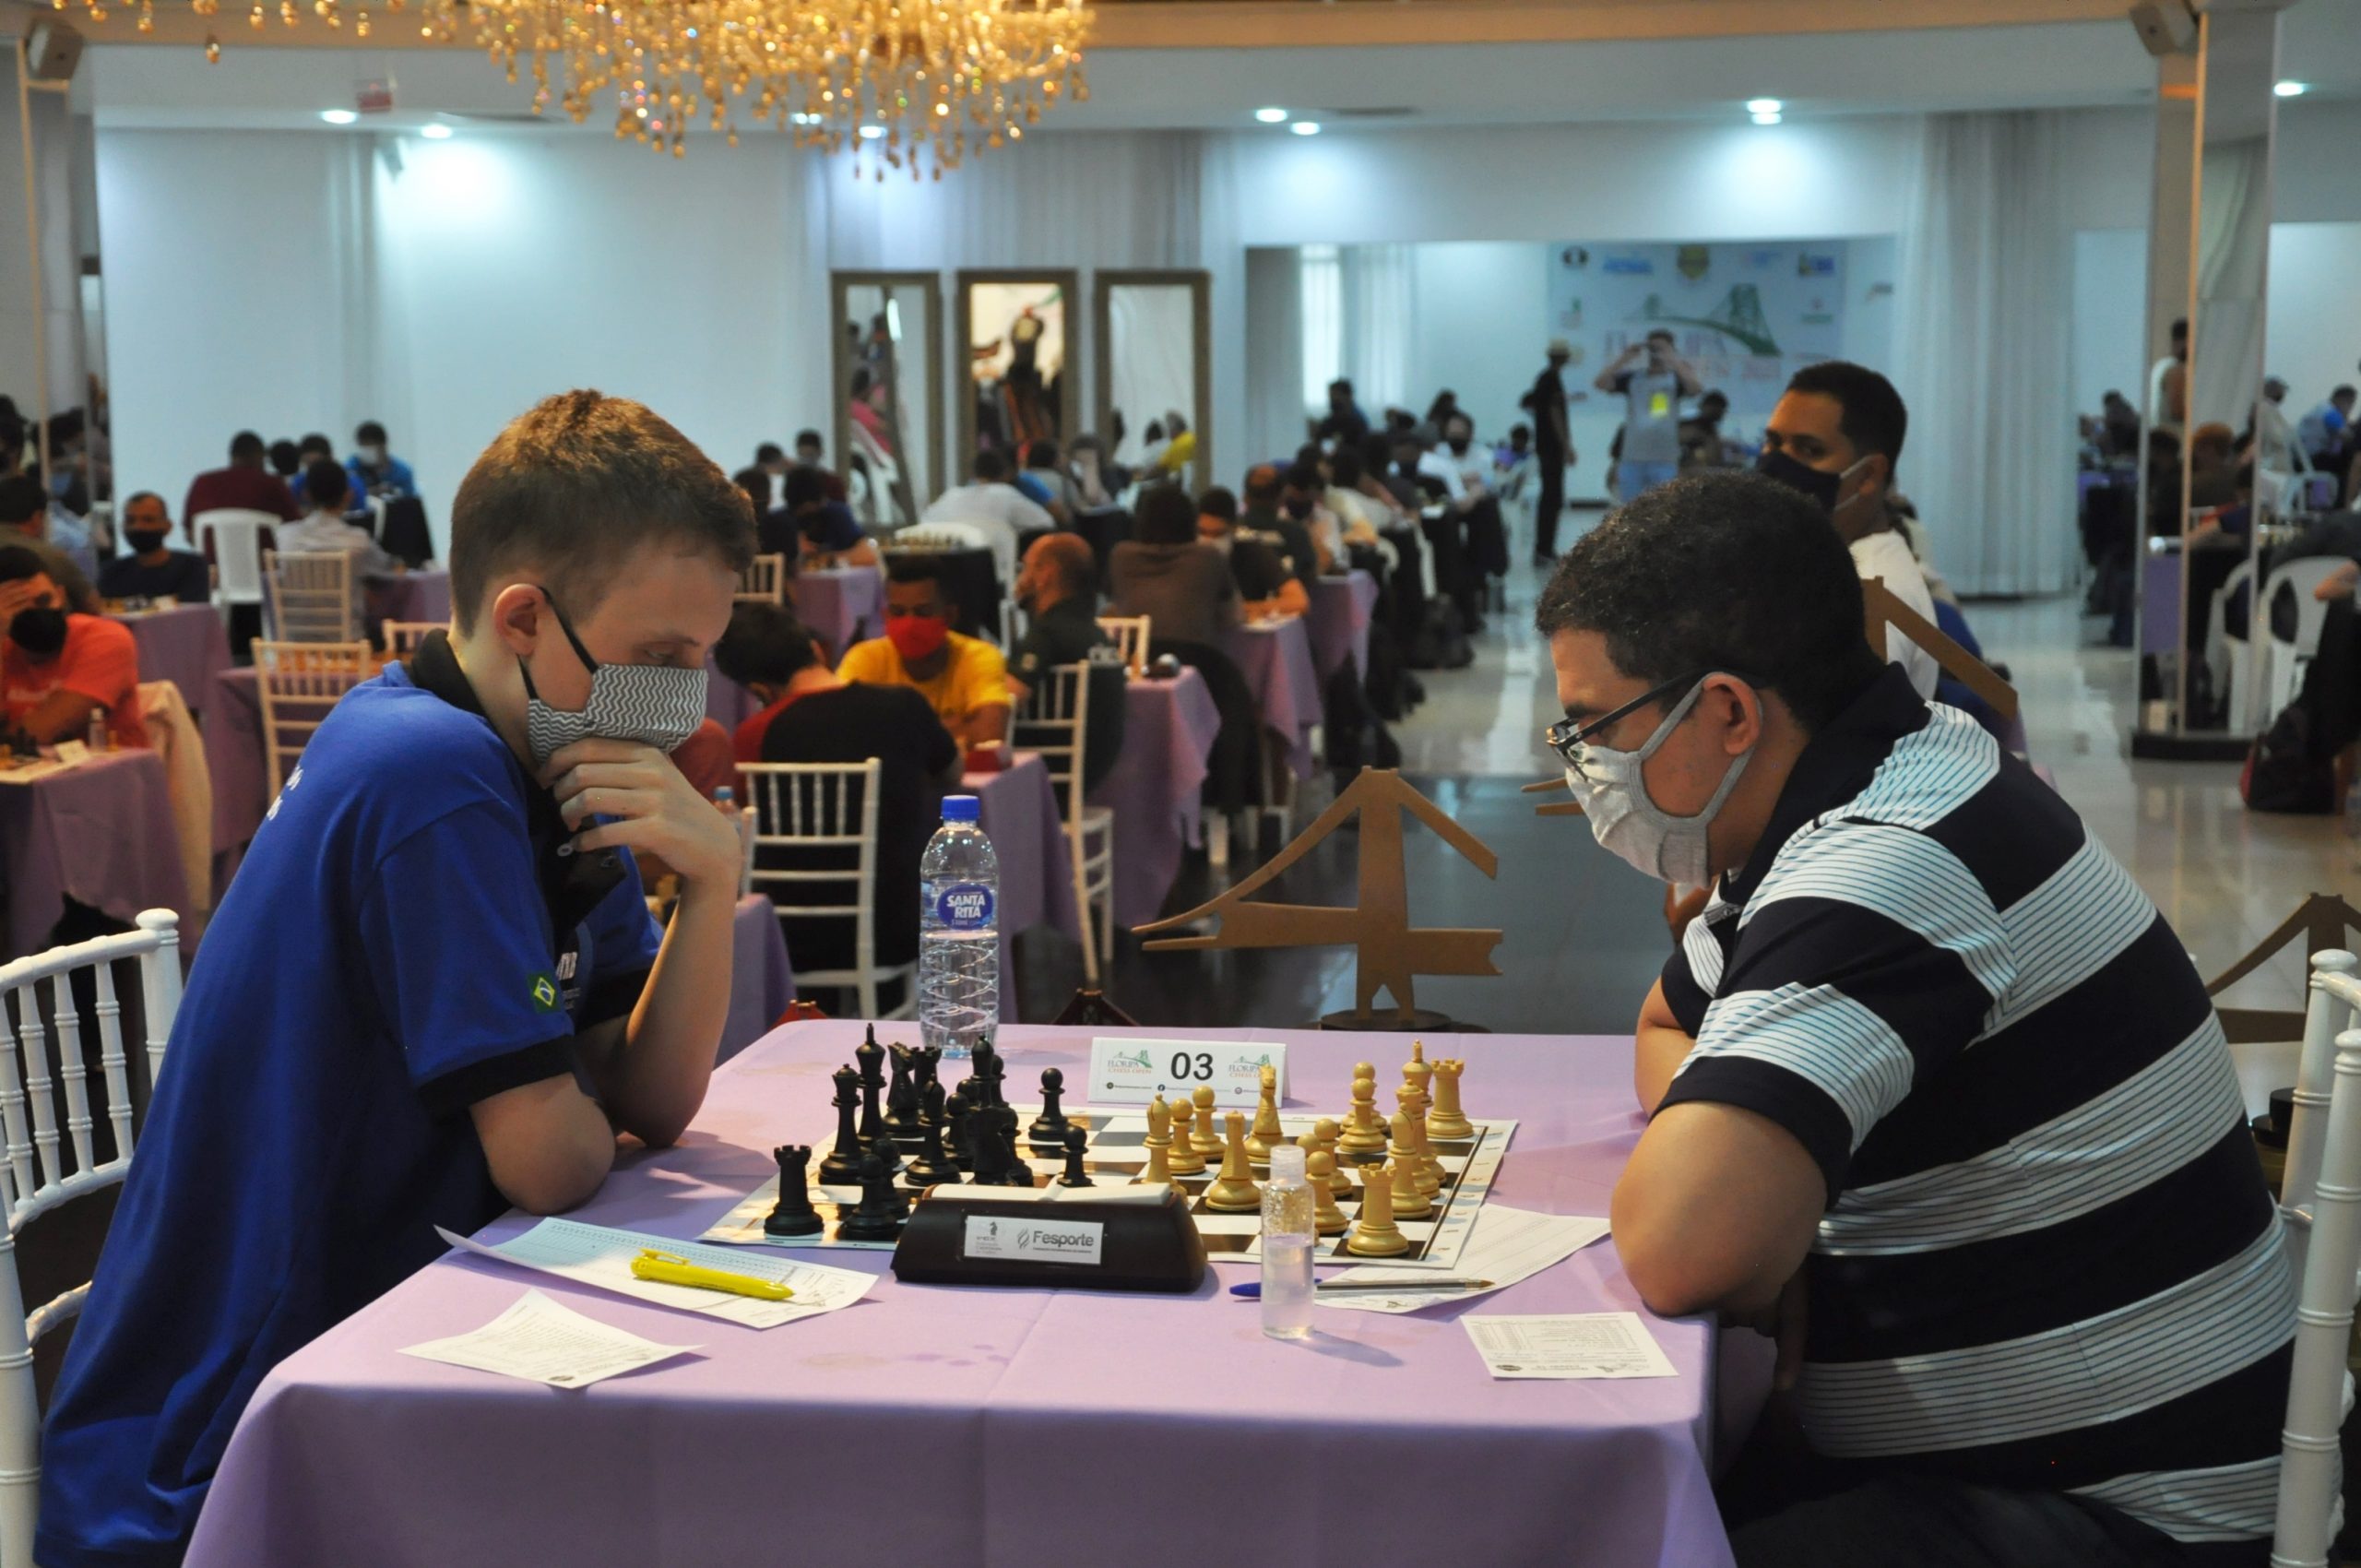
(902, 84)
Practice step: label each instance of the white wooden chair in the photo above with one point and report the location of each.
(746, 818)
(299, 683)
(1130, 634)
(764, 580)
(402, 638)
(232, 539)
(311, 595)
(1055, 722)
(2321, 1202)
(36, 1176)
(804, 806)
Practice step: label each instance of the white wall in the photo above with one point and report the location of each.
(2314, 335)
(2109, 315)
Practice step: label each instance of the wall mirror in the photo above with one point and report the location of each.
(888, 379)
(1016, 354)
(1155, 370)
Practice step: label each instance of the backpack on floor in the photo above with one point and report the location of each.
(2281, 774)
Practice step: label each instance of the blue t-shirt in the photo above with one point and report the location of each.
(387, 956)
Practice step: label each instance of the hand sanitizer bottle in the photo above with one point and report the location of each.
(1287, 1242)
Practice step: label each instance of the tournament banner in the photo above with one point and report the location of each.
(1747, 316)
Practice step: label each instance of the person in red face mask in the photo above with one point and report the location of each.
(963, 678)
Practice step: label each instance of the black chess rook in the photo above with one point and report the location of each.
(793, 1213)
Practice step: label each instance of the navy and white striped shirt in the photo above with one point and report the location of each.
(2049, 1258)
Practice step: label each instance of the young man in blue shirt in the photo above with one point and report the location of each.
(433, 988)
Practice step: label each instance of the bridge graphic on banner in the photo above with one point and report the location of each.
(1738, 316)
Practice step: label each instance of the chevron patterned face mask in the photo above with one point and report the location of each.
(653, 704)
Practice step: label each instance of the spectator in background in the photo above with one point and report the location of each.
(326, 530)
(2274, 445)
(70, 535)
(811, 453)
(2119, 426)
(1346, 425)
(1095, 485)
(1062, 497)
(309, 450)
(989, 511)
(1835, 436)
(1164, 573)
(1382, 478)
(809, 715)
(1358, 515)
(59, 666)
(24, 521)
(154, 569)
(287, 461)
(774, 530)
(964, 679)
(1443, 410)
(1652, 380)
(1701, 445)
(246, 486)
(2168, 386)
(1553, 448)
(2326, 432)
(2212, 467)
(1301, 530)
(1266, 587)
(374, 471)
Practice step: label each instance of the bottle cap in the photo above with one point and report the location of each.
(1286, 1162)
(961, 808)
(724, 793)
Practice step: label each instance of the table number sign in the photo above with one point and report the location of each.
(1134, 1072)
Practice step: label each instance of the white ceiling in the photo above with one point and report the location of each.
(2048, 66)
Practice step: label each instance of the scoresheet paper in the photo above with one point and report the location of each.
(1568, 1345)
(541, 1341)
(1506, 1245)
(593, 1254)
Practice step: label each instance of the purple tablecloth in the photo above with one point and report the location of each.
(102, 833)
(761, 982)
(409, 596)
(1168, 730)
(2160, 603)
(1019, 810)
(1276, 663)
(1339, 622)
(188, 647)
(1017, 1428)
(839, 607)
(233, 751)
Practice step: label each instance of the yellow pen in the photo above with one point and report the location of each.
(669, 1269)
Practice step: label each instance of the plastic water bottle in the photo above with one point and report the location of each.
(958, 931)
(1287, 1241)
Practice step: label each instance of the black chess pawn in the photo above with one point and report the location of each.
(793, 1213)
(1049, 1127)
(878, 1216)
(1077, 1140)
(901, 1098)
(842, 1168)
(871, 1057)
(931, 1167)
(956, 1112)
(889, 1150)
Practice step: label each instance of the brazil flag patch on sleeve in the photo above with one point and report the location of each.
(545, 994)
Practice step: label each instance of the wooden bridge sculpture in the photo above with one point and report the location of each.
(1390, 950)
(1879, 609)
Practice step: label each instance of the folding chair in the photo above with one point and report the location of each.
(764, 580)
(48, 1165)
(402, 638)
(803, 807)
(1130, 634)
(1055, 722)
(299, 683)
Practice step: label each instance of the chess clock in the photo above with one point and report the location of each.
(988, 1236)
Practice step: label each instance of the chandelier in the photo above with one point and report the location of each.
(903, 84)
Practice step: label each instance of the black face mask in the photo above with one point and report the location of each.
(39, 631)
(1459, 448)
(145, 539)
(1297, 509)
(1821, 487)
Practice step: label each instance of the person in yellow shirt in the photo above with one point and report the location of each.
(964, 678)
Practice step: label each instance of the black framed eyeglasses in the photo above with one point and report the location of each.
(1567, 738)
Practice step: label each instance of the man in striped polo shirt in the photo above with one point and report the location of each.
(1931, 1084)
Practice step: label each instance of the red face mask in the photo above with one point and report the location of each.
(916, 636)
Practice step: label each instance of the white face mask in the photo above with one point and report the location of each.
(648, 703)
(372, 457)
(1632, 827)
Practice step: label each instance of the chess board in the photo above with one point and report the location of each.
(1117, 1152)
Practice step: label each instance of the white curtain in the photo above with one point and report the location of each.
(1983, 346)
(1279, 381)
(1378, 320)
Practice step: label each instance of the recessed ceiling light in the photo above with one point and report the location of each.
(805, 119)
(1770, 118)
(1763, 106)
(870, 133)
(1270, 116)
(338, 116)
(435, 132)
(1305, 127)
(2292, 89)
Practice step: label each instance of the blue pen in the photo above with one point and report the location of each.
(1252, 1290)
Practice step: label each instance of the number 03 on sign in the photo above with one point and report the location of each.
(1134, 1072)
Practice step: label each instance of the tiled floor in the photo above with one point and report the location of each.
(1583, 935)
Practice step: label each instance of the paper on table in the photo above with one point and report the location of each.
(541, 1341)
(1568, 1345)
(594, 1254)
(1506, 1245)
